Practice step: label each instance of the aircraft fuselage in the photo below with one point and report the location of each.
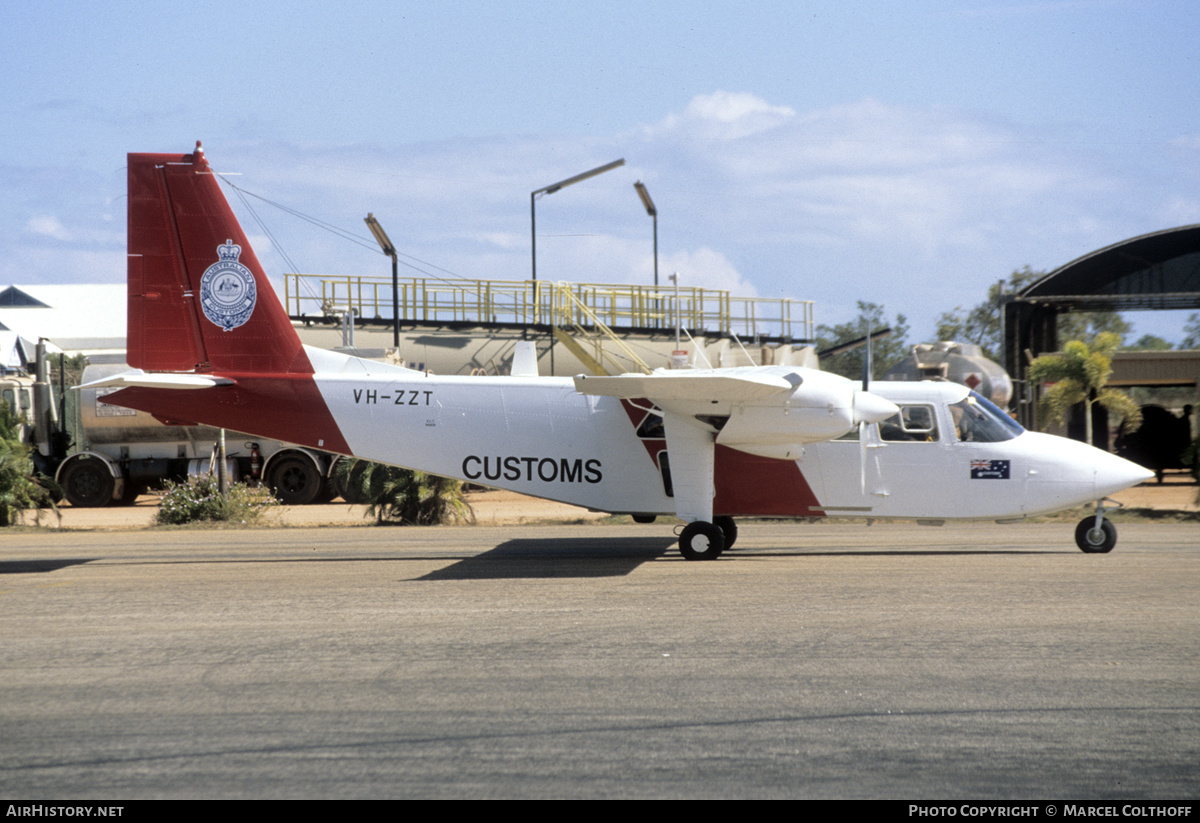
(539, 436)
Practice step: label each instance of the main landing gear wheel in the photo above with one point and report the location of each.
(1095, 541)
(728, 530)
(701, 541)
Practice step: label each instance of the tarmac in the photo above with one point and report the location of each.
(826, 660)
(495, 507)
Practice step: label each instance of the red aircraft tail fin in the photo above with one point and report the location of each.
(198, 297)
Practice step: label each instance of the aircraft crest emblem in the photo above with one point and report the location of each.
(227, 290)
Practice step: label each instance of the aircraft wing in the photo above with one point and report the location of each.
(723, 385)
(141, 379)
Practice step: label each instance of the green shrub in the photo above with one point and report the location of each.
(21, 488)
(199, 499)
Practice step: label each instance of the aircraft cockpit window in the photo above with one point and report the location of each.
(914, 423)
(977, 420)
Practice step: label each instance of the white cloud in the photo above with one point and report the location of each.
(1189, 142)
(918, 208)
(704, 268)
(1180, 211)
(723, 115)
(503, 240)
(48, 226)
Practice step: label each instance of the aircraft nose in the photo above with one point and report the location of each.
(871, 408)
(1113, 474)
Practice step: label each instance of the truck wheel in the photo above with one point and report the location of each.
(294, 480)
(88, 484)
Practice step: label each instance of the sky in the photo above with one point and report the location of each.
(908, 154)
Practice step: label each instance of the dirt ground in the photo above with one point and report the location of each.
(495, 508)
(492, 508)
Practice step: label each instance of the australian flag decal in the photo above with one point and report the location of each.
(989, 469)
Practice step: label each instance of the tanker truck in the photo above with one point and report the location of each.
(959, 363)
(102, 455)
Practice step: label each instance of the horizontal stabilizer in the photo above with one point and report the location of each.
(724, 384)
(159, 380)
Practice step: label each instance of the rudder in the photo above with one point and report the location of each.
(198, 299)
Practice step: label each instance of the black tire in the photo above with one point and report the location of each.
(88, 484)
(644, 518)
(294, 480)
(701, 541)
(728, 528)
(1091, 542)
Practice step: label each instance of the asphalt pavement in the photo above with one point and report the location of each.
(815, 660)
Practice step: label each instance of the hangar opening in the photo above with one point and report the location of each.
(1153, 272)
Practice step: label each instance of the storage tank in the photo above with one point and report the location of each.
(959, 363)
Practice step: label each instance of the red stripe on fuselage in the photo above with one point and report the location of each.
(752, 485)
(747, 485)
(279, 408)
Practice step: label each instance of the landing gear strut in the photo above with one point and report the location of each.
(1096, 535)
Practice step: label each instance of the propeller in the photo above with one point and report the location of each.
(866, 373)
(862, 398)
(868, 408)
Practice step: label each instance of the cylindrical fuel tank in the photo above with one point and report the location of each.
(106, 425)
(962, 363)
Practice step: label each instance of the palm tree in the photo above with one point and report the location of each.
(402, 496)
(1080, 375)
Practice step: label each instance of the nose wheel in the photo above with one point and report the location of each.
(1096, 534)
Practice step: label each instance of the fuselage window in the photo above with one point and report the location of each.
(651, 427)
(914, 423)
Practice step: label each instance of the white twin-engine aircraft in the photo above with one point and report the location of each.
(210, 343)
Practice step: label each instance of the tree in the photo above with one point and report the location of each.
(1149, 342)
(402, 496)
(885, 353)
(1191, 329)
(981, 324)
(1088, 326)
(20, 486)
(1080, 375)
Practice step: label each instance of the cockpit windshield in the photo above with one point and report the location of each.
(978, 420)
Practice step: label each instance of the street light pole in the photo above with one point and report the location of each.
(653, 212)
(386, 244)
(553, 187)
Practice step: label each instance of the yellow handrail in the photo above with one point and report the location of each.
(617, 306)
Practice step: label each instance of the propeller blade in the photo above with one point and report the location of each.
(866, 373)
(862, 457)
